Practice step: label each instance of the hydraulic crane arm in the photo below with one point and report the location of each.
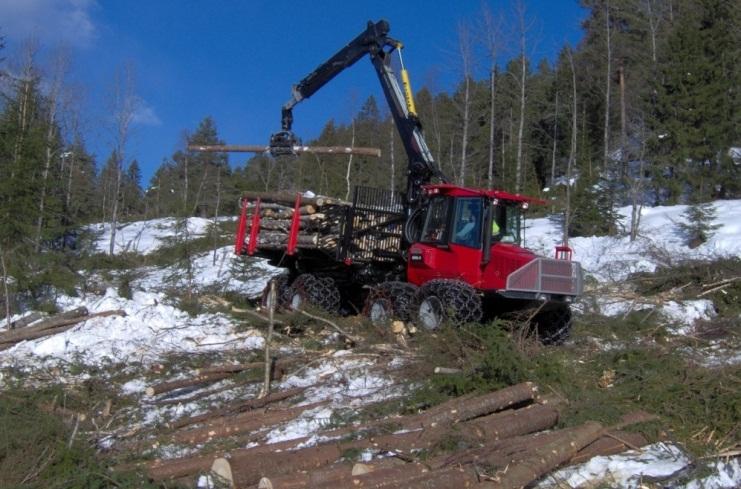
(376, 43)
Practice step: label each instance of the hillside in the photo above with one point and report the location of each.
(650, 314)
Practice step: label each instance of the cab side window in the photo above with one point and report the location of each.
(468, 221)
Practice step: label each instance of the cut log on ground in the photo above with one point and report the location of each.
(248, 470)
(610, 444)
(238, 407)
(482, 430)
(161, 388)
(327, 477)
(161, 470)
(201, 394)
(247, 422)
(52, 326)
(545, 459)
(463, 409)
(26, 320)
(230, 368)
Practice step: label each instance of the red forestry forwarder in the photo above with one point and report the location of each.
(439, 252)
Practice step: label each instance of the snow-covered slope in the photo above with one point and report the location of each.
(660, 239)
(145, 237)
(150, 329)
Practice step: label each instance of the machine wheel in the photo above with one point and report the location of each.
(443, 300)
(390, 300)
(317, 291)
(281, 287)
(553, 325)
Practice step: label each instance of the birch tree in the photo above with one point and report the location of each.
(608, 77)
(572, 151)
(491, 36)
(520, 8)
(123, 107)
(60, 67)
(466, 59)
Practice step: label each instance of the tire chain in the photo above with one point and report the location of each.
(399, 294)
(554, 327)
(460, 301)
(318, 291)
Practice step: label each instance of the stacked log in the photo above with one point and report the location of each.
(320, 223)
(319, 220)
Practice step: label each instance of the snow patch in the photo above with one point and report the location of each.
(146, 237)
(626, 470)
(150, 329)
(306, 424)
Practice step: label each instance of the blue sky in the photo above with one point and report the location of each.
(236, 60)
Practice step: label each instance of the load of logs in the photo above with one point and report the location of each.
(319, 222)
(499, 440)
(35, 326)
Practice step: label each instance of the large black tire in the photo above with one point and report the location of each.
(390, 300)
(281, 287)
(317, 291)
(444, 300)
(553, 325)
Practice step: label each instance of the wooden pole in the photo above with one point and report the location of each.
(271, 322)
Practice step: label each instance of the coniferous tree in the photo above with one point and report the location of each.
(697, 118)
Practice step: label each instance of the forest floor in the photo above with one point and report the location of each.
(113, 399)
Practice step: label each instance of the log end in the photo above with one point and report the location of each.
(149, 391)
(265, 484)
(223, 470)
(360, 469)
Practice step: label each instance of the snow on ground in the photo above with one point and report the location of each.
(146, 237)
(632, 469)
(227, 272)
(346, 380)
(679, 315)
(609, 258)
(150, 329)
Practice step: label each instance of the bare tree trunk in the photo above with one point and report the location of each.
(492, 131)
(653, 25)
(521, 128)
(197, 200)
(124, 106)
(349, 162)
(5, 287)
(114, 212)
(492, 44)
(27, 77)
(464, 46)
(186, 170)
(572, 152)
(606, 136)
(555, 143)
(60, 69)
(623, 121)
(216, 211)
(272, 299)
(637, 189)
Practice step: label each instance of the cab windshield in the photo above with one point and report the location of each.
(436, 223)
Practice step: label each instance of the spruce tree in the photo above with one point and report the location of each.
(697, 118)
(697, 224)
